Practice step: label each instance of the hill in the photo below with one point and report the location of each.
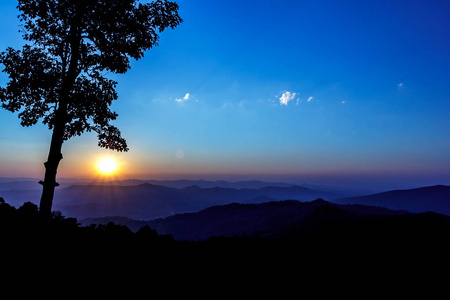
(143, 200)
(148, 201)
(268, 220)
(328, 242)
(433, 198)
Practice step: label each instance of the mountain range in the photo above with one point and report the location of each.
(281, 219)
(32, 183)
(148, 201)
(192, 212)
(432, 198)
(145, 201)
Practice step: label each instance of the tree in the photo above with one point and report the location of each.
(59, 78)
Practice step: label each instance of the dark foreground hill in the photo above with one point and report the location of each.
(320, 243)
(271, 221)
(279, 219)
(276, 220)
(433, 198)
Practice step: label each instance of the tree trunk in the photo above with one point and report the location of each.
(51, 167)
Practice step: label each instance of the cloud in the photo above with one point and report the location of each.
(309, 99)
(400, 84)
(185, 98)
(286, 97)
(343, 102)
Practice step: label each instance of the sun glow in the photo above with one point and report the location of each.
(107, 166)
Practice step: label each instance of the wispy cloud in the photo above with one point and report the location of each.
(309, 99)
(286, 97)
(400, 84)
(185, 98)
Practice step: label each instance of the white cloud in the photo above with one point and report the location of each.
(400, 84)
(286, 97)
(343, 102)
(309, 99)
(185, 98)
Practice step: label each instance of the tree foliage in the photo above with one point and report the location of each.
(59, 77)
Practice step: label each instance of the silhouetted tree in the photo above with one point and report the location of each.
(59, 78)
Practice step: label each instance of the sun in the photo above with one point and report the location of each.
(107, 166)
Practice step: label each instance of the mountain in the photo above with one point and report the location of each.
(32, 183)
(18, 197)
(433, 198)
(148, 201)
(270, 219)
(20, 185)
(19, 190)
(205, 184)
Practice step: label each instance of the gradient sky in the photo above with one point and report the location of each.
(272, 89)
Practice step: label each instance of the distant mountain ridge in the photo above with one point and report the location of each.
(19, 190)
(148, 201)
(32, 183)
(432, 198)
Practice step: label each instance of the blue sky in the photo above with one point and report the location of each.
(289, 90)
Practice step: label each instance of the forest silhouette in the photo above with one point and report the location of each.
(330, 238)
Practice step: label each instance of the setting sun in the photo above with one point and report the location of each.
(107, 165)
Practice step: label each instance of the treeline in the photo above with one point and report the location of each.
(377, 251)
(332, 236)
(24, 223)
